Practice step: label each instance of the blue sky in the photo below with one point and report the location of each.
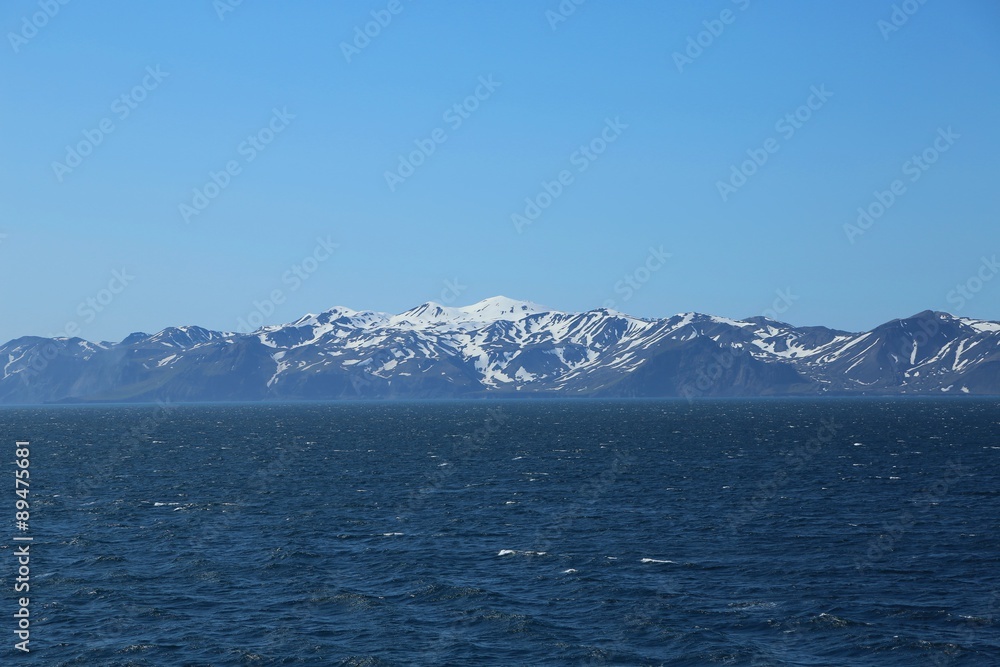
(313, 221)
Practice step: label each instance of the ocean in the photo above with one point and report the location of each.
(756, 532)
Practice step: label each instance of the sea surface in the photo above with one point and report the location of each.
(764, 532)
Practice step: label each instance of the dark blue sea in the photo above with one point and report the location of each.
(767, 532)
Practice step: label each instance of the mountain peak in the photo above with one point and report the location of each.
(503, 308)
(930, 314)
(429, 311)
(493, 309)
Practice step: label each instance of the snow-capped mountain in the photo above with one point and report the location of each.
(501, 347)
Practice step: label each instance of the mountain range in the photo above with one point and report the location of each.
(505, 348)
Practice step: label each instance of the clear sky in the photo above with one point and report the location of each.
(115, 115)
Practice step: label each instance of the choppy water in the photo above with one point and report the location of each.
(841, 532)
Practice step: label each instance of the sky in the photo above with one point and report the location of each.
(211, 163)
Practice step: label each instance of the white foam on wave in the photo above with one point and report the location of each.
(654, 560)
(751, 605)
(390, 534)
(569, 571)
(517, 552)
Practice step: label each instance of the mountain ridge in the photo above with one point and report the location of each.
(502, 347)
